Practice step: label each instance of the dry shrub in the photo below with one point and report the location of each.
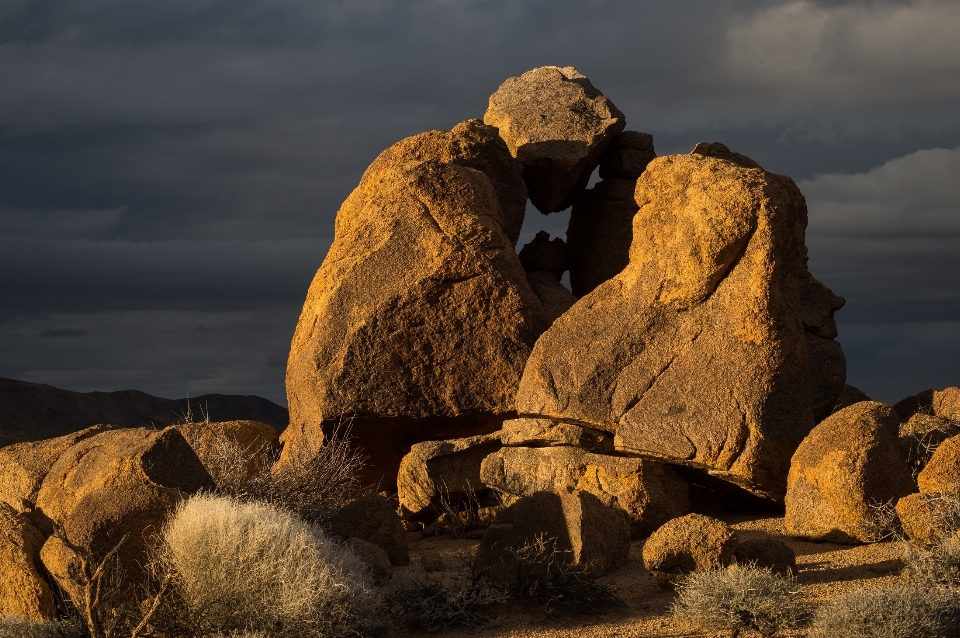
(896, 612)
(738, 598)
(17, 627)
(937, 567)
(543, 573)
(313, 484)
(250, 567)
(433, 605)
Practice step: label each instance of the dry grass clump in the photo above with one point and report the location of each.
(897, 612)
(250, 567)
(18, 627)
(738, 598)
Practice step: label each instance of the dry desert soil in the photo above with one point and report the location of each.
(825, 570)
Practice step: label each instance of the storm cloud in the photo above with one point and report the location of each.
(170, 172)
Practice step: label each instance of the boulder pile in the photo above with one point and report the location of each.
(695, 353)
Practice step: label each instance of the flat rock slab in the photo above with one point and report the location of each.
(649, 493)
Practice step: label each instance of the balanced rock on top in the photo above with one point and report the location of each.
(697, 353)
(557, 124)
(420, 319)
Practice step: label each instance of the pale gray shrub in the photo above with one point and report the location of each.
(18, 627)
(739, 597)
(251, 567)
(895, 612)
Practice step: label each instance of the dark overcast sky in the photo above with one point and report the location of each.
(170, 171)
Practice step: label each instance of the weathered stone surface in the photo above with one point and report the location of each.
(373, 519)
(627, 155)
(556, 299)
(120, 458)
(697, 352)
(848, 396)
(436, 470)
(928, 519)
(847, 463)
(211, 441)
(557, 124)
(828, 366)
(647, 491)
(98, 524)
(921, 433)
(374, 557)
(543, 253)
(23, 466)
(942, 403)
(766, 552)
(688, 544)
(420, 320)
(23, 591)
(590, 533)
(547, 433)
(600, 232)
(942, 472)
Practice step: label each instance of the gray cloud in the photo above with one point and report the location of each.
(169, 161)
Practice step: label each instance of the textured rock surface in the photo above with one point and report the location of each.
(942, 403)
(210, 441)
(120, 458)
(372, 518)
(23, 591)
(594, 535)
(547, 433)
(942, 472)
(557, 124)
(698, 351)
(848, 462)
(374, 557)
(543, 253)
(600, 232)
(848, 396)
(100, 521)
(648, 492)
(921, 433)
(766, 552)
(627, 155)
(421, 318)
(688, 544)
(435, 470)
(23, 466)
(928, 519)
(556, 299)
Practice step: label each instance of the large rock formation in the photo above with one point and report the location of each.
(942, 473)
(220, 446)
(648, 492)
(557, 124)
(846, 465)
(420, 320)
(119, 458)
(23, 591)
(23, 466)
(710, 348)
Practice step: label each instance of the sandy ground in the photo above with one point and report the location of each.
(825, 570)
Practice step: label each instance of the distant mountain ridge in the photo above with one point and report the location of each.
(34, 411)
